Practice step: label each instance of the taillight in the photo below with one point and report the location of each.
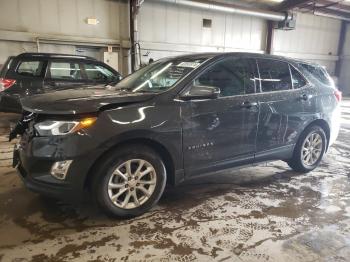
(6, 83)
(338, 95)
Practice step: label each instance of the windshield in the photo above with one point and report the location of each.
(159, 76)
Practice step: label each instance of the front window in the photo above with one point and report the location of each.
(160, 76)
(232, 76)
(65, 71)
(274, 75)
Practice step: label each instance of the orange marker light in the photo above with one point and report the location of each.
(85, 123)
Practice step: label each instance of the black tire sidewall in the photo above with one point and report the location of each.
(115, 159)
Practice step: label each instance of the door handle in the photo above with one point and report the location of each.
(247, 104)
(305, 97)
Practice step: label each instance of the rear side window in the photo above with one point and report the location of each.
(274, 75)
(232, 76)
(297, 79)
(319, 73)
(99, 73)
(65, 71)
(30, 68)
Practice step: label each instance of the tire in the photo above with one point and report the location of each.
(114, 170)
(317, 151)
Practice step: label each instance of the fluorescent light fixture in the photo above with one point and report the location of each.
(92, 21)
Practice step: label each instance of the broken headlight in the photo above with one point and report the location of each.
(57, 128)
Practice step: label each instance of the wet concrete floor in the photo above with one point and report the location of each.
(262, 213)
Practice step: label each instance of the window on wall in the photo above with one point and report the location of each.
(274, 75)
(297, 79)
(232, 76)
(65, 71)
(30, 68)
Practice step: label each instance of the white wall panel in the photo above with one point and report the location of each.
(315, 38)
(64, 17)
(344, 79)
(168, 29)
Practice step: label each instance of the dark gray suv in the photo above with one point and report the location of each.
(35, 73)
(174, 120)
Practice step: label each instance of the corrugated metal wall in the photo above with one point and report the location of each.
(167, 30)
(22, 21)
(64, 17)
(315, 38)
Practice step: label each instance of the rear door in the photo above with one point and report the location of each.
(63, 74)
(281, 108)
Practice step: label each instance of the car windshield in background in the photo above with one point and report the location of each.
(159, 76)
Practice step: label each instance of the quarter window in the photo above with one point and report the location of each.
(274, 75)
(297, 79)
(319, 73)
(65, 71)
(30, 68)
(232, 76)
(98, 73)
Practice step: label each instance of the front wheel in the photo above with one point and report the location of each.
(129, 181)
(309, 150)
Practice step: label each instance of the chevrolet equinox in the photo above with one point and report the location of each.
(176, 119)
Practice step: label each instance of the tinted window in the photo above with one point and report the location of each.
(274, 75)
(297, 79)
(99, 73)
(65, 71)
(319, 73)
(232, 76)
(30, 68)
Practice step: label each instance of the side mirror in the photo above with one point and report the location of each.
(201, 92)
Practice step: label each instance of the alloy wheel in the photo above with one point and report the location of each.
(312, 149)
(132, 183)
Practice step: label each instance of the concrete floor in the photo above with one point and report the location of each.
(263, 213)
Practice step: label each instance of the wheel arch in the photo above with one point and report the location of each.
(157, 146)
(324, 125)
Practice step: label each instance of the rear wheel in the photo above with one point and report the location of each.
(309, 150)
(130, 181)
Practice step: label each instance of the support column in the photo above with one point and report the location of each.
(269, 37)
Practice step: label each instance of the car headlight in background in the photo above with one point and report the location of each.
(58, 128)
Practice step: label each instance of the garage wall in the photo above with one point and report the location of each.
(61, 25)
(344, 79)
(315, 38)
(166, 30)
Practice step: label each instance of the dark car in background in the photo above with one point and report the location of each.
(35, 73)
(174, 120)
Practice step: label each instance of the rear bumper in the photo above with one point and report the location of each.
(335, 125)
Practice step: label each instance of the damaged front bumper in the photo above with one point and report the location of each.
(34, 158)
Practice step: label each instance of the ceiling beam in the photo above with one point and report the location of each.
(290, 4)
(322, 9)
(334, 5)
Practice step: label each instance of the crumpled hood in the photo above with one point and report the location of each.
(81, 100)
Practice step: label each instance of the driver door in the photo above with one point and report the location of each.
(221, 133)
